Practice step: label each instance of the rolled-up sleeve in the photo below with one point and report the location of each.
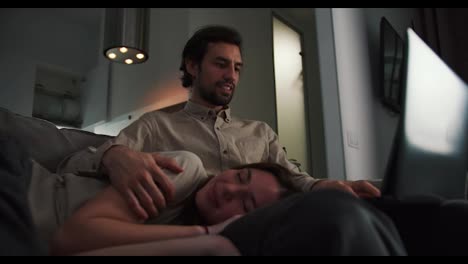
(87, 162)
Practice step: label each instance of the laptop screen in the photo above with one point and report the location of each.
(429, 155)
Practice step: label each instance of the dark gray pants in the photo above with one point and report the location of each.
(335, 223)
(17, 234)
(316, 223)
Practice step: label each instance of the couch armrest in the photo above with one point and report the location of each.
(44, 142)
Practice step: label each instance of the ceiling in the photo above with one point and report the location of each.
(86, 16)
(302, 15)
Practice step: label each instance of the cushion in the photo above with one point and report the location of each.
(46, 144)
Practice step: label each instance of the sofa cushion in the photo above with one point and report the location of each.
(46, 144)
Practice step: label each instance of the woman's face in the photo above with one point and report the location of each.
(236, 192)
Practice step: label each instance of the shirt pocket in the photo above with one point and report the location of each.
(252, 150)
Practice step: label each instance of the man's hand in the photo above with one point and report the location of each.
(361, 189)
(140, 179)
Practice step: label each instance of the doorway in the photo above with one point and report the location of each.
(290, 96)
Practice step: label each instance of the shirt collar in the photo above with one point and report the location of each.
(202, 112)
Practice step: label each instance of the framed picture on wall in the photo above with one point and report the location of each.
(391, 66)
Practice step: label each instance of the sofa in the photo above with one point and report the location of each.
(47, 144)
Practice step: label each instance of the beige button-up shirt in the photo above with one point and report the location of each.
(221, 140)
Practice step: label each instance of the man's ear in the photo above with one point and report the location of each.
(192, 67)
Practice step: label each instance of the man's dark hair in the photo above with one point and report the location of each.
(283, 175)
(196, 47)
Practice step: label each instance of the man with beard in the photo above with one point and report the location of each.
(211, 66)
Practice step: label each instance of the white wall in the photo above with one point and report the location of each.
(17, 75)
(355, 93)
(335, 165)
(356, 33)
(95, 101)
(95, 90)
(34, 36)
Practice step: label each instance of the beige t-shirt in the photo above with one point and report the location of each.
(220, 140)
(54, 197)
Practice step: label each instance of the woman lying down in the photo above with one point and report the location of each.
(202, 207)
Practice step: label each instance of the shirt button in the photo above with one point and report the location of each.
(225, 152)
(218, 128)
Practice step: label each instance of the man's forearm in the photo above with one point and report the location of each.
(108, 157)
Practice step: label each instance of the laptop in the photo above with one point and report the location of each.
(430, 149)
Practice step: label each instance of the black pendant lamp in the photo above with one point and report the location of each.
(126, 35)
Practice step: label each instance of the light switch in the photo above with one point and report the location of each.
(353, 140)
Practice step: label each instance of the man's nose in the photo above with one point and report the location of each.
(231, 74)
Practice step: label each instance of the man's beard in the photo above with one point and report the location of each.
(214, 98)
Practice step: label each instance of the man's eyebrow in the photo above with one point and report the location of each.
(225, 60)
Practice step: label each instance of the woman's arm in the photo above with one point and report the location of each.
(107, 221)
(192, 246)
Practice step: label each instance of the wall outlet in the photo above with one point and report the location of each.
(353, 140)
